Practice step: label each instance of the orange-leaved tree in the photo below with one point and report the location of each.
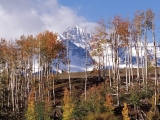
(98, 44)
(49, 49)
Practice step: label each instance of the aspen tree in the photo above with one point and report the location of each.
(137, 28)
(97, 45)
(147, 26)
(50, 50)
(152, 17)
(121, 29)
(85, 87)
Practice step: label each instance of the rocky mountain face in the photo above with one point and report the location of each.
(77, 39)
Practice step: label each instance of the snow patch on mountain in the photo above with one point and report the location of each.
(77, 38)
(77, 35)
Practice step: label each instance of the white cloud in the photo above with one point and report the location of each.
(34, 16)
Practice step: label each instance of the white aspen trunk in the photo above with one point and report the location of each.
(112, 60)
(12, 90)
(106, 51)
(145, 55)
(27, 76)
(85, 87)
(131, 61)
(138, 48)
(143, 70)
(129, 72)
(118, 75)
(21, 94)
(47, 72)
(117, 67)
(1, 87)
(155, 60)
(113, 53)
(54, 100)
(44, 77)
(39, 71)
(118, 80)
(103, 67)
(26, 85)
(34, 79)
(41, 82)
(110, 82)
(8, 80)
(137, 56)
(48, 82)
(68, 64)
(99, 68)
(142, 62)
(9, 87)
(16, 95)
(126, 70)
(114, 56)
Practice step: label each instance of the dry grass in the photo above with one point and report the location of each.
(94, 73)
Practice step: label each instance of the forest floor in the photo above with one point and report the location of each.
(78, 82)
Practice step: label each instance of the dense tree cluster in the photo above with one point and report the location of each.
(27, 77)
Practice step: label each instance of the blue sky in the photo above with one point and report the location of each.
(20, 17)
(93, 10)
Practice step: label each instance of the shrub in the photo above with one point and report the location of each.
(109, 103)
(48, 109)
(30, 112)
(39, 109)
(152, 114)
(68, 105)
(125, 112)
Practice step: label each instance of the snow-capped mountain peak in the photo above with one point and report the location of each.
(75, 30)
(77, 38)
(77, 35)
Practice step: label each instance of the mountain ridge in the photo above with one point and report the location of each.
(78, 37)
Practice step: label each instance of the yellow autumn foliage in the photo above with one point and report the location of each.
(68, 105)
(30, 113)
(125, 112)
